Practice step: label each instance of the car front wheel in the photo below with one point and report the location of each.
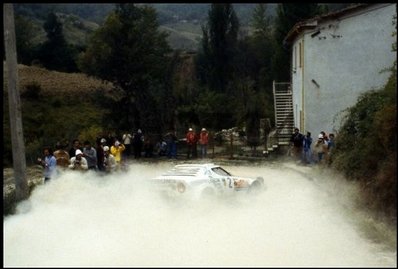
(255, 188)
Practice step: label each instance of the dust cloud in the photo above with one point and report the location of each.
(303, 218)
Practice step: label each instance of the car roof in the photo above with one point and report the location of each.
(189, 169)
(205, 165)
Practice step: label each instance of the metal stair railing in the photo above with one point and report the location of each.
(284, 118)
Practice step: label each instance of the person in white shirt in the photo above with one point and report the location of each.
(109, 160)
(78, 162)
(126, 139)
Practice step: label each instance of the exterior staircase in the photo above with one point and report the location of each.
(284, 119)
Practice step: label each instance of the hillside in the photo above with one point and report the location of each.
(182, 20)
(184, 36)
(53, 83)
(57, 106)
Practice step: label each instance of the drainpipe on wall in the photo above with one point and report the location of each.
(302, 123)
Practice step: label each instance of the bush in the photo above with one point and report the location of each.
(32, 91)
(366, 146)
(33, 150)
(90, 134)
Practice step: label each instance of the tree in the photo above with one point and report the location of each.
(216, 66)
(55, 53)
(287, 16)
(260, 21)
(219, 46)
(261, 46)
(24, 34)
(130, 51)
(253, 76)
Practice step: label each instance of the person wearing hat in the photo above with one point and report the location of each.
(203, 141)
(78, 162)
(191, 142)
(117, 150)
(109, 160)
(100, 153)
(127, 139)
(320, 148)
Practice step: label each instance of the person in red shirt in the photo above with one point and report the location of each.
(203, 141)
(191, 142)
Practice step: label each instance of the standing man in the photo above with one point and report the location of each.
(296, 141)
(307, 154)
(100, 154)
(319, 148)
(190, 137)
(171, 140)
(49, 164)
(75, 146)
(109, 161)
(91, 155)
(138, 141)
(61, 155)
(330, 147)
(116, 151)
(203, 141)
(126, 138)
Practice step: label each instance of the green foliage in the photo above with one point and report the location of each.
(33, 150)
(216, 67)
(90, 133)
(213, 110)
(260, 21)
(287, 16)
(219, 47)
(129, 51)
(239, 67)
(44, 124)
(367, 143)
(24, 34)
(55, 53)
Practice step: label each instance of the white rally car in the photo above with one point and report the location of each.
(204, 180)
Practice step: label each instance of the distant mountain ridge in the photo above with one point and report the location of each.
(167, 13)
(182, 21)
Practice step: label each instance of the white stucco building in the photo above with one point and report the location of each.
(335, 58)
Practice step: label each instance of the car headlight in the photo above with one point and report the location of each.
(180, 187)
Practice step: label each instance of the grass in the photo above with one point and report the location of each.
(63, 106)
(55, 83)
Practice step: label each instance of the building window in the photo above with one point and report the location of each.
(294, 59)
(300, 55)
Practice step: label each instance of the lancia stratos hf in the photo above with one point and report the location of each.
(204, 180)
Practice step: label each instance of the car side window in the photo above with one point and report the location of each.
(220, 171)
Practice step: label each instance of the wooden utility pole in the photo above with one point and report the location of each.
(14, 103)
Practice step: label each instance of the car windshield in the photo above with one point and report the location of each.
(220, 171)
